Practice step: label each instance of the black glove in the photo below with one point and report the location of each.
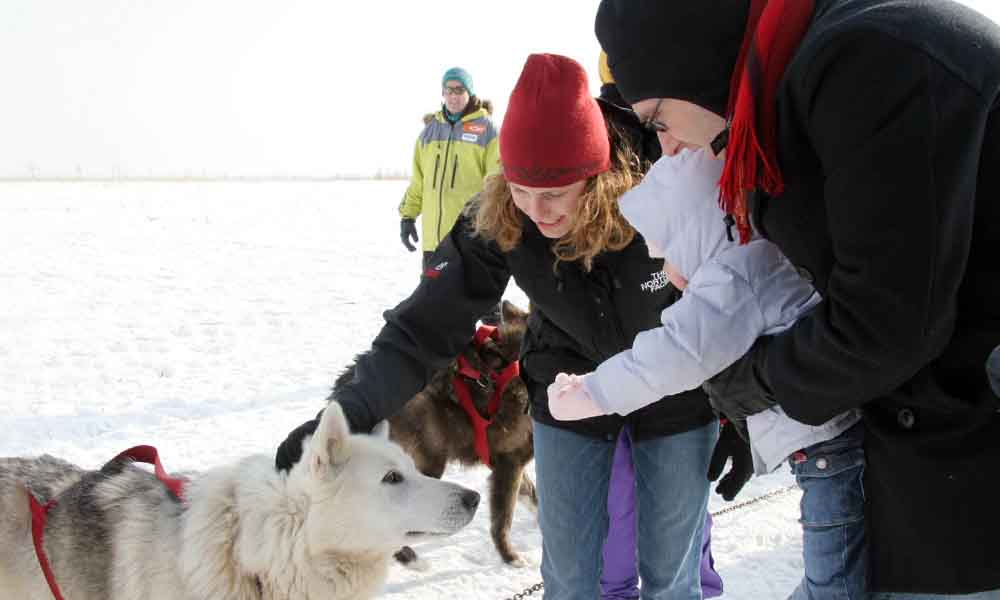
(740, 390)
(730, 445)
(408, 231)
(290, 450)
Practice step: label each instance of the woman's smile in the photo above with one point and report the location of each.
(550, 224)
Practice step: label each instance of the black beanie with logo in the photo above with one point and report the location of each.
(683, 49)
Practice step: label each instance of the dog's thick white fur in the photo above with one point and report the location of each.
(326, 530)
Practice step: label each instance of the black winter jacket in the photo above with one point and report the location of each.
(889, 141)
(578, 319)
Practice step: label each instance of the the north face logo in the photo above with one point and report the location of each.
(658, 281)
(435, 271)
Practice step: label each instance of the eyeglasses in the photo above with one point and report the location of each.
(458, 90)
(651, 125)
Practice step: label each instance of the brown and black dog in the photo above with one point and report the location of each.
(435, 430)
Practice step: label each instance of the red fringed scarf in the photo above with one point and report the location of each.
(774, 30)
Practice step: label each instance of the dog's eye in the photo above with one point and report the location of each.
(393, 477)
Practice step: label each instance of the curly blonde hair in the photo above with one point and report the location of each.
(598, 227)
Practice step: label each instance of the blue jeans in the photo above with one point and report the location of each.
(572, 474)
(834, 549)
(620, 577)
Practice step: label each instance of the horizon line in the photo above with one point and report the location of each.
(203, 178)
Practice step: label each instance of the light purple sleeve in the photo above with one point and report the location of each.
(713, 324)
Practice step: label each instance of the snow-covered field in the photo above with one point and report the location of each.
(209, 319)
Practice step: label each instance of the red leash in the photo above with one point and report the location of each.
(40, 512)
(39, 515)
(499, 381)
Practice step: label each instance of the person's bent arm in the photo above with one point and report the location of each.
(899, 193)
(491, 158)
(713, 324)
(412, 203)
(427, 330)
(422, 334)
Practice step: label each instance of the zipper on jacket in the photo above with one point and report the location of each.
(618, 322)
(454, 170)
(611, 310)
(434, 180)
(444, 173)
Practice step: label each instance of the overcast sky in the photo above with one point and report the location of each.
(249, 87)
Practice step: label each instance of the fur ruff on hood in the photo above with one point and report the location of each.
(474, 104)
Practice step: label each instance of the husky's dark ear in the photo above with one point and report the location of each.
(330, 445)
(510, 312)
(381, 430)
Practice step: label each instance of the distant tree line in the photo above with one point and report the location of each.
(32, 172)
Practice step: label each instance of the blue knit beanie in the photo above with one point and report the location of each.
(459, 74)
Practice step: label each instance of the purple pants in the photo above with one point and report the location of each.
(620, 578)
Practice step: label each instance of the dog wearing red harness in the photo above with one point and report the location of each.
(475, 412)
(326, 529)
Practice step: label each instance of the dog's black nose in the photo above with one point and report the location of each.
(470, 500)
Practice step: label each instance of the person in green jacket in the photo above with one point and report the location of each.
(455, 152)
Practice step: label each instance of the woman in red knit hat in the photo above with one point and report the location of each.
(562, 178)
(551, 222)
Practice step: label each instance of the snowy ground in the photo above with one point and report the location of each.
(209, 319)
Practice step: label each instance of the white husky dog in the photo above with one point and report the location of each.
(326, 530)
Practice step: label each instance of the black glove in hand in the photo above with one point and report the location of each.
(290, 450)
(740, 390)
(408, 231)
(730, 445)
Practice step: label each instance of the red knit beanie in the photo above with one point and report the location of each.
(553, 133)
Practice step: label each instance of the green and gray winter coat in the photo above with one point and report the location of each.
(450, 162)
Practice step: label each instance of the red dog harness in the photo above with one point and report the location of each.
(499, 381)
(40, 512)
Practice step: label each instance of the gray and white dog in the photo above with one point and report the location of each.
(327, 529)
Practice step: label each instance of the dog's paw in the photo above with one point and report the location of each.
(516, 560)
(519, 563)
(409, 558)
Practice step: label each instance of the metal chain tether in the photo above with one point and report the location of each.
(752, 501)
(772, 494)
(527, 592)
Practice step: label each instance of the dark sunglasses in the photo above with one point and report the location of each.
(458, 90)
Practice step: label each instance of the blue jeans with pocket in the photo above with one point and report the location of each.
(572, 475)
(834, 549)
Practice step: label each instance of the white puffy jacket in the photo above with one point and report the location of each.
(734, 295)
